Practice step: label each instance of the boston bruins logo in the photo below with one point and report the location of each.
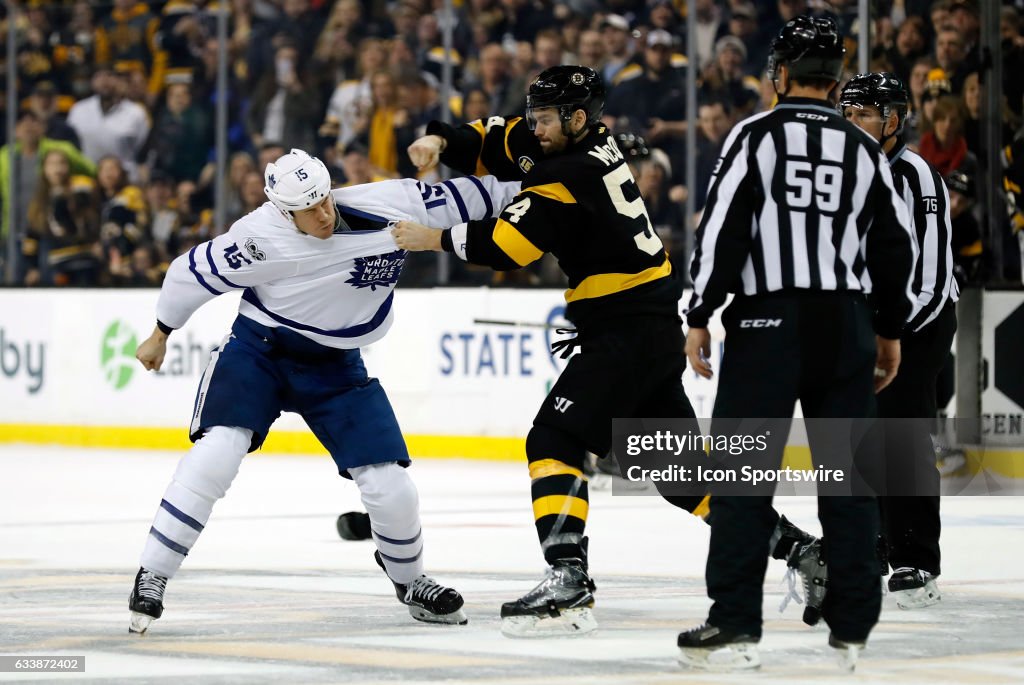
(577, 79)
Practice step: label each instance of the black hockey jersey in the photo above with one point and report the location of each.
(581, 205)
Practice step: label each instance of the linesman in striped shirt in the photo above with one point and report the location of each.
(878, 104)
(803, 224)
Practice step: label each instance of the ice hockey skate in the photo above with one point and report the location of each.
(711, 648)
(847, 653)
(913, 588)
(604, 474)
(354, 525)
(147, 600)
(805, 559)
(428, 600)
(560, 606)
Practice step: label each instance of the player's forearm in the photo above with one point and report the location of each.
(478, 249)
(461, 147)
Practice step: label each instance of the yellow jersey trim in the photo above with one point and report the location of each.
(600, 285)
(515, 244)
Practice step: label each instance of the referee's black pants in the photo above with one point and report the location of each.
(910, 524)
(818, 347)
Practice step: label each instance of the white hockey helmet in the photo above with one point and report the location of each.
(296, 181)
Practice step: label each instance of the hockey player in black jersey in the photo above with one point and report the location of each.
(580, 203)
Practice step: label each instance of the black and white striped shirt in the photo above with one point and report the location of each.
(803, 199)
(927, 200)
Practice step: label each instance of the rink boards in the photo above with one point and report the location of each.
(459, 388)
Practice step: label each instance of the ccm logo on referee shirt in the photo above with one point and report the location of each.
(760, 323)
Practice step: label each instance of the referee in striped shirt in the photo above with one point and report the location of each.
(878, 104)
(803, 224)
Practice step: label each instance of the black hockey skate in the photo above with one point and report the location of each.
(354, 525)
(785, 536)
(914, 588)
(807, 561)
(146, 601)
(560, 606)
(428, 601)
(715, 649)
(802, 552)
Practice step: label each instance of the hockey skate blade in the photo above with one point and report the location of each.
(139, 623)
(570, 623)
(740, 656)
(457, 618)
(918, 598)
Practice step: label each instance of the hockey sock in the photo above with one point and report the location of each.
(203, 476)
(560, 506)
(391, 500)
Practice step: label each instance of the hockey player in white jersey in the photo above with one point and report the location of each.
(317, 276)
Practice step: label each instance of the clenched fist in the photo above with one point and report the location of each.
(426, 151)
(153, 350)
(415, 237)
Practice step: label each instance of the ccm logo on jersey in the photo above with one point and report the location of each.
(760, 323)
(812, 117)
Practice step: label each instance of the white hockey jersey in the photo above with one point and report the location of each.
(337, 292)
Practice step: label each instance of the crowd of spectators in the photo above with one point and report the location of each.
(114, 143)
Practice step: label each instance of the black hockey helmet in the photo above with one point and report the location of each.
(633, 147)
(811, 48)
(568, 88)
(881, 90)
(961, 182)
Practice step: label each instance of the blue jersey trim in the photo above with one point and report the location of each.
(458, 200)
(360, 213)
(435, 203)
(195, 272)
(484, 194)
(213, 267)
(249, 295)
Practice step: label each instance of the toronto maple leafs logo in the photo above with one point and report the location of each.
(380, 270)
(271, 181)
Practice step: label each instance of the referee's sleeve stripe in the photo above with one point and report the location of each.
(735, 168)
(903, 219)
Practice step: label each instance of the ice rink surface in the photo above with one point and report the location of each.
(270, 594)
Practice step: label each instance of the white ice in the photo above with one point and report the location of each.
(270, 594)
